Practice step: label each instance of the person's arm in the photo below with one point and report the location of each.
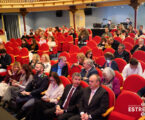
(48, 68)
(140, 71)
(124, 72)
(116, 87)
(6, 62)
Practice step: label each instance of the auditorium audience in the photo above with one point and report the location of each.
(107, 33)
(49, 100)
(61, 68)
(133, 67)
(32, 91)
(122, 53)
(13, 75)
(110, 61)
(34, 61)
(51, 43)
(46, 62)
(113, 43)
(42, 39)
(68, 103)
(34, 46)
(110, 80)
(140, 46)
(102, 44)
(18, 86)
(89, 54)
(88, 70)
(140, 31)
(80, 57)
(25, 36)
(94, 101)
(25, 44)
(83, 35)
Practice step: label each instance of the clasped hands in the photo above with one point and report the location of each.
(59, 111)
(84, 116)
(25, 93)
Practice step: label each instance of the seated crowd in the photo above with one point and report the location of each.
(31, 85)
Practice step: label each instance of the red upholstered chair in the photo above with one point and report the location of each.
(109, 50)
(120, 78)
(97, 39)
(16, 52)
(111, 100)
(43, 49)
(97, 52)
(139, 55)
(68, 43)
(84, 49)
(61, 40)
(9, 44)
(74, 49)
(18, 40)
(66, 54)
(128, 45)
(84, 84)
(121, 63)
(9, 50)
(92, 44)
(65, 81)
(23, 57)
(132, 35)
(142, 65)
(122, 109)
(129, 40)
(12, 40)
(73, 58)
(118, 39)
(100, 60)
(90, 37)
(99, 72)
(134, 83)
(75, 69)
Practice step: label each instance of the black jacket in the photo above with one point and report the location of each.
(5, 60)
(38, 85)
(136, 47)
(98, 105)
(74, 101)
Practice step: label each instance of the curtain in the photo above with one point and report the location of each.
(11, 26)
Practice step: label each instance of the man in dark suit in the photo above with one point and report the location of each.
(114, 43)
(122, 53)
(94, 101)
(89, 69)
(61, 67)
(69, 102)
(141, 93)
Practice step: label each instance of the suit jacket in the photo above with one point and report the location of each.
(141, 92)
(91, 72)
(114, 65)
(115, 45)
(74, 101)
(98, 104)
(124, 55)
(5, 60)
(64, 71)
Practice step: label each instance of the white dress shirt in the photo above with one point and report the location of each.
(128, 71)
(54, 92)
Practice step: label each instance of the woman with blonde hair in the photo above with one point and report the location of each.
(34, 61)
(110, 80)
(13, 75)
(46, 61)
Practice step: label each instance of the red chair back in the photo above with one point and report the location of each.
(118, 39)
(142, 65)
(109, 50)
(134, 83)
(99, 72)
(97, 52)
(97, 39)
(123, 107)
(73, 58)
(75, 69)
(100, 60)
(92, 44)
(66, 54)
(128, 46)
(65, 81)
(84, 49)
(121, 63)
(129, 40)
(74, 49)
(84, 84)
(139, 55)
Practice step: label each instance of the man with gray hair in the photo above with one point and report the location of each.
(61, 67)
(122, 53)
(89, 69)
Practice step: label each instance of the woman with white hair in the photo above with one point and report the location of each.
(110, 80)
(140, 46)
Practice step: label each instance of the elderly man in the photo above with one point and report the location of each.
(61, 67)
(69, 102)
(89, 69)
(122, 53)
(94, 101)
